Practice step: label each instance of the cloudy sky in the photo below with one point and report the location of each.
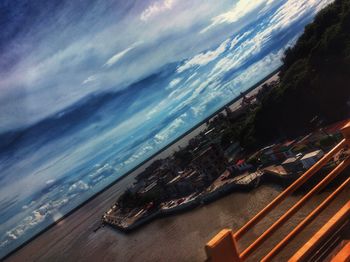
(89, 89)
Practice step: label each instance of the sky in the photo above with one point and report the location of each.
(90, 89)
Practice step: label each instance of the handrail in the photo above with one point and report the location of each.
(335, 222)
(295, 208)
(343, 255)
(306, 221)
(292, 188)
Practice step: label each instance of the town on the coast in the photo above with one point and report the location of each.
(212, 166)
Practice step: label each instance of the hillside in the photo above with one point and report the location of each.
(314, 82)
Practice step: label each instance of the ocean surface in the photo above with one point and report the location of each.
(58, 157)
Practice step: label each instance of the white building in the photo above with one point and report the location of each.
(310, 159)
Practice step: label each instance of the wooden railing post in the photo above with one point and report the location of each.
(222, 248)
(346, 131)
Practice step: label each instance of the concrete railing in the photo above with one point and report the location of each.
(223, 247)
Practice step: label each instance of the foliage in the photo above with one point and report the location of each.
(183, 158)
(313, 82)
(327, 142)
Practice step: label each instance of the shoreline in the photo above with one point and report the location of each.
(204, 198)
(195, 200)
(140, 167)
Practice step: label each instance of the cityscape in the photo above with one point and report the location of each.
(209, 168)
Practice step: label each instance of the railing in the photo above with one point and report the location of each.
(224, 245)
(326, 234)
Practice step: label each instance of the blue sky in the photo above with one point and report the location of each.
(90, 89)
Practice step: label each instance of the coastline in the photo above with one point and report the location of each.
(140, 167)
(204, 198)
(278, 164)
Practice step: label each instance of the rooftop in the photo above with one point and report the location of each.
(312, 154)
(290, 160)
(240, 162)
(202, 153)
(149, 187)
(335, 127)
(174, 180)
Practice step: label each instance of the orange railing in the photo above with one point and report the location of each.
(228, 239)
(339, 220)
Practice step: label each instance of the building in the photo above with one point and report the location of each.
(285, 149)
(309, 141)
(335, 129)
(150, 189)
(292, 165)
(232, 151)
(228, 111)
(267, 155)
(174, 187)
(242, 165)
(311, 158)
(210, 162)
(276, 152)
(154, 190)
(183, 184)
(247, 101)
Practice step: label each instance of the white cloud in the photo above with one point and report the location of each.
(288, 13)
(115, 58)
(262, 67)
(170, 130)
(35, 218)
(204, 58)
(47, 208)
(52, 73)
(139, 154)
(31, 204)
(233, 60)
(90, 79)
(79, 186)
(191, 77)
(292, 11)
(174, 82)
(157, 8)
(238, 38)
(239, 11)
(50, 181)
